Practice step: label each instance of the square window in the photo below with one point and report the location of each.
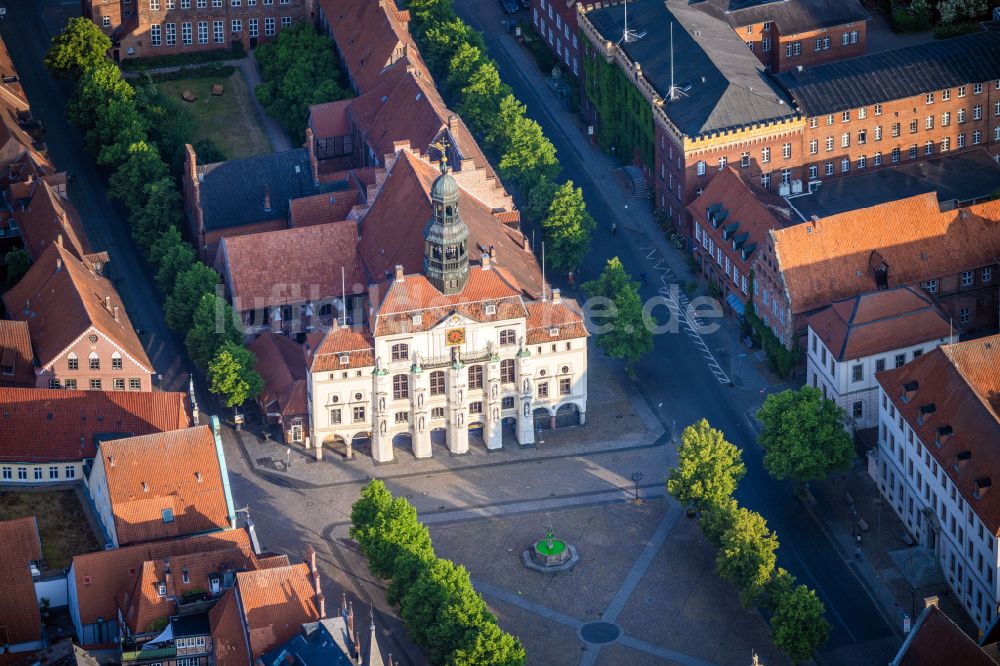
(119, 384)
(95, 384)
(70, 472)
(359, 414)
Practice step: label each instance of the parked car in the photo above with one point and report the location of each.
(510, 6)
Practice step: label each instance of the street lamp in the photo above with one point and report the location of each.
(636, 478)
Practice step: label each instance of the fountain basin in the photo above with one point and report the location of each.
(550, 556)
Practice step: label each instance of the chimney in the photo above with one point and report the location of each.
(145, 487)
(58, 264)
(485, 260)
(59, 240)
(556, 296)
(267, 199)
(399, 273)
(111, 461)
(191, 160)
(526, 244)
(350, 625)
(451, 121)
(311, 557)
(930, 602)
(313, 161)
(107, 302)
(343, 604)
(116, 312)
(321, 605)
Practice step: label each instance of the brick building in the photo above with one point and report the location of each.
(142, 28)
(952, 255)
(783, 131)
(20, 618)
(795, 33)
(556, 22)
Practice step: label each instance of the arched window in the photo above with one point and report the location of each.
(95, 361)
(72, 361)
(116, 361)
(326, 310)
(400, 352)
(437, 382)
(400, 387)
(507, 371)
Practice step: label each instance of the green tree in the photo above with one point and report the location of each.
(464, 62)
(530, 156)
(481, 96)
(118, 125)
(80, 46)
(384, 532)
(191, 283)
(168, 125)
(803, 435)
(708, 467)
(97, 86)
(127, 183)
(798, 626)
(498, 134)
(299, 68)
(17, 263)
(232, 375)
(746, 555)
(629, 336)
(443, 39)
(716, 519)
(172, 256)
(781, 583)
(423, 608)
(540, 198)
(212, 326)
(492, 647)
(161, 211)
(568, 228)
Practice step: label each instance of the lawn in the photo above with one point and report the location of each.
(230, 119)
(62, 524)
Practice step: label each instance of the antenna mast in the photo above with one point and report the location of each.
(629, 36)
(674, 90)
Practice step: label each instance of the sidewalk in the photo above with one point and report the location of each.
(618, 419)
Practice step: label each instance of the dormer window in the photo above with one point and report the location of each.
(345, 359)
(926, 411)
(553, 332)
(418, 319)
(161, 589)
(943, 435)
(962, 459)
(491, 309)
(185, 575)
(983, 486)
(909, 388)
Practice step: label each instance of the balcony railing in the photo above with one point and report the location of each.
(149, 655)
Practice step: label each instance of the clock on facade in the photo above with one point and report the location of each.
(454, 336)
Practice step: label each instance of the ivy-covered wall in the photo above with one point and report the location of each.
(625, 117)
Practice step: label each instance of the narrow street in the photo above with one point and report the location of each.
(675, 373)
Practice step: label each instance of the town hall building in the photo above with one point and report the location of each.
(453, 355)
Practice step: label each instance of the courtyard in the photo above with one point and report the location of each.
(229, 119)
(63, 525)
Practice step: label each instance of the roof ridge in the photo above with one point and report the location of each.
(972, 387)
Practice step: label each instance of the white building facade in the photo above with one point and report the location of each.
(449, 358)
(933, 470)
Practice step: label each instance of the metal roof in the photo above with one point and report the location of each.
(897, 74)
(723, 85)
(790, 16)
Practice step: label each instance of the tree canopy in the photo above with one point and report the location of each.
(191, 283)
(629, 335)
(708, 467)
(79, 47)
(231, 374)
(798, 626)
(803, 435)
(746, 555)
(212, 326)
(567, 228)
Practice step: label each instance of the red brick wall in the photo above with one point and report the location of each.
(556, 21)
(809, 56)
(83, 375)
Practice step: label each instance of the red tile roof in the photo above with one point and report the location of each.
(829, 260)
(70, 421)
(228, 637)
(392, 230)
(370, 36)
(354, 342)
(416, 295)
(101, 577)
(16, 353)
(936, 640)
(962, 381)
(322, 208)
(282, 365)
(879, 321)
(276, 603)
(291, 265)
(329, 119)
(62, 299)
(45, 218)
(178, 470)
(549, 322)
(20, 621)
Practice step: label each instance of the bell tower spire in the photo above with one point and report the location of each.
(446, 257)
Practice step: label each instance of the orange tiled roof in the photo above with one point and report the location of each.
(281, 363)
(329, 119)
(962, 381)
(354, 342)
(72, 420)
(291, 265)
(828, 260)
(563, 318)
(178, 470)
(101, 577)
(321, 208)
(416, 295)
(878, 322)
(45, 218)
(392, 230)
(936, 639)
(19, 545)
(276, 603)
(755, 209)
(16, 353)
(61, 299)
(370, 36)
(228, 637)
